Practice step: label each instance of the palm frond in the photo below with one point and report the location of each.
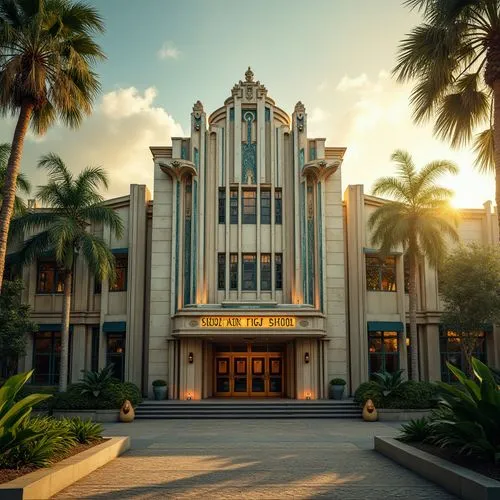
(392, 187)
(484, 151)
(35, 246)
(35, 220)
(57, 170)
(101, 214)
(99, 257)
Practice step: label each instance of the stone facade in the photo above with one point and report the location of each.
(248, 244)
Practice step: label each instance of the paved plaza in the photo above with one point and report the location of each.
(272, 459)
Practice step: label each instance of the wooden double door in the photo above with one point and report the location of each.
(258, 372)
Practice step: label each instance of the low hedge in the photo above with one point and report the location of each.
(37, 389)
(409, 395)
(111, 398)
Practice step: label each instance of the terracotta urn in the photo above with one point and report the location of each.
(370, 413)
(127, 413)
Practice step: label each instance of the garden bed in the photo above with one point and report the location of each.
(463, 482)
(399, 415)
(11, 474)
(45, 482)
(487, 469)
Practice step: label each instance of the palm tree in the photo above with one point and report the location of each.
(73, 204)
(455, 58)
(23, 184)
(46, 59)
(418, 218)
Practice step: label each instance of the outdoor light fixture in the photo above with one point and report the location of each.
(190, 357)
(306, 357)
(189, 396)
(308, 395)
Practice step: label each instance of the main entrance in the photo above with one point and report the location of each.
(249, 370)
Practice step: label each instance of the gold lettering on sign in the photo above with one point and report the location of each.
(247, 322)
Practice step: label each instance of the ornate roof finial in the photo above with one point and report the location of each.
(300, 108)
(249, 75)
(198, 106)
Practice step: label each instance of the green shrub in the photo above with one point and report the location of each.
(111, 398)
(338, 381)
(468, 418)
(388, 382)
(84, 431)
(416, 430)
(368, 390)
(159, 383)
(94, 383)
(37, 389)
(14, 414)
(413, 395)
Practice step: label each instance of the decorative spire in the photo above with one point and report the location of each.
(300, 108)
(249, 75)
(198, 106)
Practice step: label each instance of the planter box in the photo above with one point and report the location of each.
(95, 415)
(462, 482)
(44, 483)
(395, 415)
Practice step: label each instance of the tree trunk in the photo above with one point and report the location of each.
(412, 292)
(9, 190)
(496, 145)
(63, 372)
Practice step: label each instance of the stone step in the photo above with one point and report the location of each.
(231, 415)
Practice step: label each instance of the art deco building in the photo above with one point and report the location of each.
(249, 275)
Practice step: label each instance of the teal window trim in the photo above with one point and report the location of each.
(385, 326)
(114, 326)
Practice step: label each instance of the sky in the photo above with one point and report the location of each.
(334, 56)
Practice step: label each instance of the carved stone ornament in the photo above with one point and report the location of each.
(300, 114)
(304, 323)
(178, 167)
(249, 89)
(127, 413)
(249, 75)
(320, 169)
(197, 113)
(193, 323)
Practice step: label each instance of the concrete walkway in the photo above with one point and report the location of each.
(271, 459)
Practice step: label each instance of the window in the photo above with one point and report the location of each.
(222, 205)
(249, 206)
(233, 206)
(277, 207)
(278, 262)
(383, 353)
(115, 353)
(265, 207)
(249, 271)
(221, 271)
(233, 271)
(94, 353)
(50, 277)
(47, 357)
(265, 271)
(380, 274)
(450, 350)
(121, 268)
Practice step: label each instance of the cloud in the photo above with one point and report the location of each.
(168, 51)
(117, 137)
(347, 83)
(322, 86)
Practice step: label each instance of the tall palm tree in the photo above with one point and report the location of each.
(73, 204)
(23, 184)
(419, 218)
(455, 58)
(46, 57)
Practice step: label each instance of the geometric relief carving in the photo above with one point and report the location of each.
(249, 151)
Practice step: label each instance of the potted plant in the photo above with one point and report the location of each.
(160, 389)
(337, 386)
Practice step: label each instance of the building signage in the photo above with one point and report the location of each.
(247, 322)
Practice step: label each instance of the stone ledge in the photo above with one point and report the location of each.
(462, 482)
(95, 415)
(398, 415)
(44, 483)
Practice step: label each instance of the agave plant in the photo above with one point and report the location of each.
(388, 382)
(14, 414)
(471, 422)
(95, 382)
(84, 431)
(417, 429)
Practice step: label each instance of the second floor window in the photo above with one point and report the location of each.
(222, 205)
(233, 271)
(278, 262)
(381, 273)
(233, 206)
(221, 271)
(277, 207)
(50, 277)
(121, 268)
(249, 271)
(265, 207)
(265, 271)
(249, 206)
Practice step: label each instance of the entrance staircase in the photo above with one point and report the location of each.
(238, 409)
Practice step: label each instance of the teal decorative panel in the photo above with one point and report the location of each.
(177, 200)
(268, 114)
(195, 236)
(249, 150)
(320, 248)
